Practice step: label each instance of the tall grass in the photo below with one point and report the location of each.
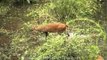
(74, 8)
(83, 44)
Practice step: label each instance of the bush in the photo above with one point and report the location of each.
(86, 39)
(81, 45)
(59, 48)
(74, 8)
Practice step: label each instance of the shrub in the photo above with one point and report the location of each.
(74, 8)
(81, 45)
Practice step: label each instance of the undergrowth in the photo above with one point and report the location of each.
(84, 38)
(86, 41)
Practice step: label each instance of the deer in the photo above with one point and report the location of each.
(51, 28)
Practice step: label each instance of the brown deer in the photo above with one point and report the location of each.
(51, 27)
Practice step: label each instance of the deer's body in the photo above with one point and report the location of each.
(51, 27)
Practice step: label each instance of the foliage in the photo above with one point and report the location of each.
(66, 9)
(74, 8)
(86, 40)
(87, 26)
(62, 47)
(41, 14)
(32, 1)
(28, 46)
(3, 9)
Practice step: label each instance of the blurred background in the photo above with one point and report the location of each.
(87, 21)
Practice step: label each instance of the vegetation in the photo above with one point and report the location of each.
(87, 38)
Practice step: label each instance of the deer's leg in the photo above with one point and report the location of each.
(46, 34)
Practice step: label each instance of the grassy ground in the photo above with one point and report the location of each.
(18, 42)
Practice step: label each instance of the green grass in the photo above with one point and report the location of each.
(87, 41)
(36, 47)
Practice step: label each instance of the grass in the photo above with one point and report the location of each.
(35, 47)
(86, 42)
